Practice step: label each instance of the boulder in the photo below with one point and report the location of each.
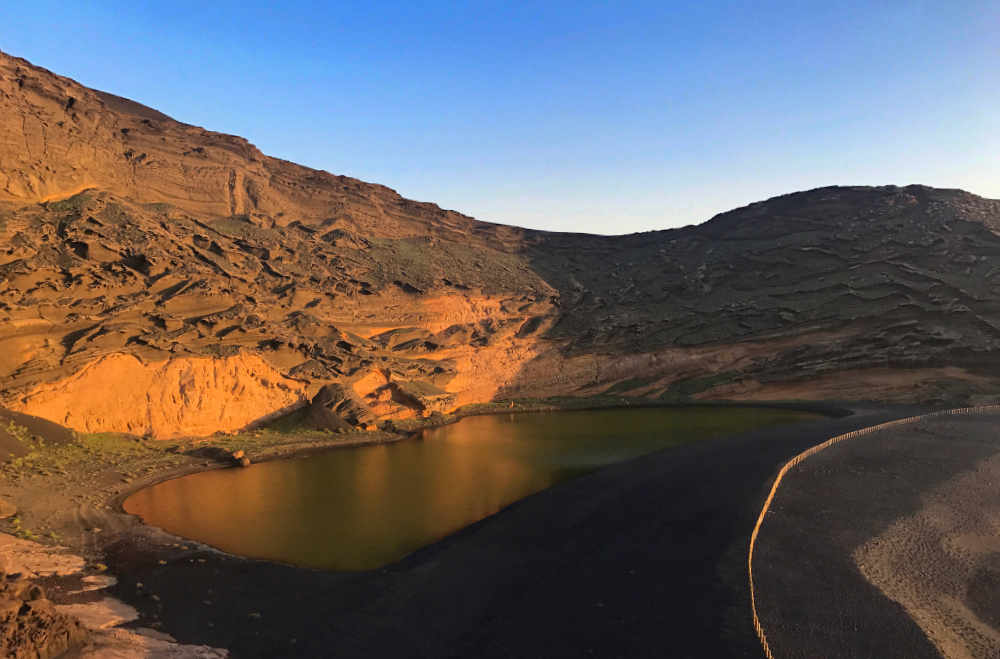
(344, 403)
(426, 396)
(30, 626)
(219, 454)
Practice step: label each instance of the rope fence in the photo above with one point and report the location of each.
(813, 451)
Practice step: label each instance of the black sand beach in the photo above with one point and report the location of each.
(647, 558)
(849, 511)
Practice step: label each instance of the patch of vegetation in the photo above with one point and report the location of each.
(235, 227)
(158, 207)
(114, 214)
(684, 390)
(554, 403)
(19, 531)
(221, 350)
(291, 424)
(25, 436)
(124, 226)
(629, 385)
(100, 448)
(75, 203)
(436, 419)
(262, 442)
(110, 445)
(20, 432)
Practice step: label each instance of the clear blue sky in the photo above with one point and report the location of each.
(607, 117)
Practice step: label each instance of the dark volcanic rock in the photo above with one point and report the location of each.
(30, 627)
(337, 407)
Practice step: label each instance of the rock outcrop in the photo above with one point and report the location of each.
(30, 626)
(158, 278)
(173, 398)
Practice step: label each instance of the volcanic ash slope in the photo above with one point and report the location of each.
(158, 278)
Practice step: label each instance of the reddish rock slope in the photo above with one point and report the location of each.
(160, 278)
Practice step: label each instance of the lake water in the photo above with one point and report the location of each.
(365, 507)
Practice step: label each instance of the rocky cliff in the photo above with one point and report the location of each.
(158, 278)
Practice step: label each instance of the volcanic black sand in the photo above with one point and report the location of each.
(646, 558)
(19, 433)
(897, 506)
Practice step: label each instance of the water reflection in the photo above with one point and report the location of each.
(361, 508)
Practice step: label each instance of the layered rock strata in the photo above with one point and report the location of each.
(158, 278)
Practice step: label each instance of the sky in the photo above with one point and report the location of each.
(603, 117)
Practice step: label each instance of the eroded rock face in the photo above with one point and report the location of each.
(59, 138)
(170, 280)
(30, 626)
(178, 397)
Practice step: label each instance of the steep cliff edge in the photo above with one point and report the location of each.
(159, 278)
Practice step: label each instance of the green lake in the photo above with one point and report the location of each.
(365, 507)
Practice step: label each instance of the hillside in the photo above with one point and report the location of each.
(158, 278)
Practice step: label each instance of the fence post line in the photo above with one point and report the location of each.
(812, 451)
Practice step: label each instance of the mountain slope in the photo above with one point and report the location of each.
(58, 138)
(159, 278)
(853, 279)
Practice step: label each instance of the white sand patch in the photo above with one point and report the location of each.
(35, 560)
(126, 644)
(926, 562)
(103, 617)
(95, 582)
(105, 614)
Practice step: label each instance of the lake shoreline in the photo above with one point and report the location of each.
(370, 506)
(291, 451)
(283, 452)
(82, 508)
(443, 596)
